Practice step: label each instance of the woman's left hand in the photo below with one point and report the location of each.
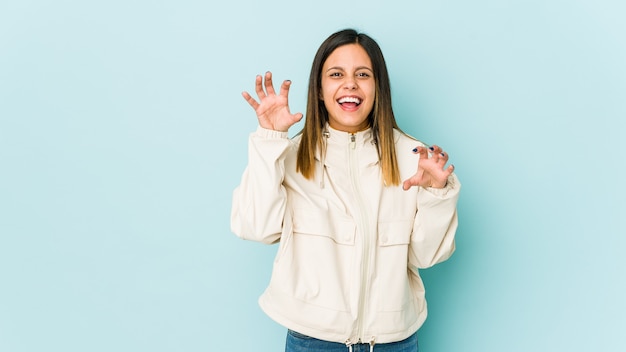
(431, 170)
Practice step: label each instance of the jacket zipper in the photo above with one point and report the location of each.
(349, 344)
(356, 186)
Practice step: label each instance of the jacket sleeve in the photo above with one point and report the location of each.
(259, 202)
(434, 228)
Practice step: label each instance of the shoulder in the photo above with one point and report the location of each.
(403, 139)
(296, 139)
(407, 159)
(291, 154)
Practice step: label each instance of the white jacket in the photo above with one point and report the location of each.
(346, 267)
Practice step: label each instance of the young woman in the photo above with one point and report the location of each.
(357, 206)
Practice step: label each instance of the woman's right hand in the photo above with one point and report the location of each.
(272, 110)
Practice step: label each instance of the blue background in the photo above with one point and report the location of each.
(123, 134)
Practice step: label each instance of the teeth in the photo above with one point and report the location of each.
(349, 100)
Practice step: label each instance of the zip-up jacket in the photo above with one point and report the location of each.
(346, 269)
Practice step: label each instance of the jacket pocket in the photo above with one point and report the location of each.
(393, 233)
(318, 264)
(393, 290)
(313, 222)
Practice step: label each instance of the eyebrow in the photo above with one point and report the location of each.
(342, 69)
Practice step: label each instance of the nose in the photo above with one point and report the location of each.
(350, 83)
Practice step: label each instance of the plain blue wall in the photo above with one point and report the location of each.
(123, 133)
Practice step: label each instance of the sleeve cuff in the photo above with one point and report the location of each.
(452, 185)
(266, 133)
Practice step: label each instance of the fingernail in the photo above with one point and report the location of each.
(414, 150)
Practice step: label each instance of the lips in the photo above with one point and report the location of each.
(349, 102)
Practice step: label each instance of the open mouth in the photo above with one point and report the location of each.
(349, 102)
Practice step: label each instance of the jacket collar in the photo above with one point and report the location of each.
(336, 137)
(336, 140)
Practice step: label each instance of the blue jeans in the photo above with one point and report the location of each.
(297, 342)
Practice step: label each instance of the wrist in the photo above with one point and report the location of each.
(439, 185)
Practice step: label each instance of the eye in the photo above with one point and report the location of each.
(335, 74)
(363, 75)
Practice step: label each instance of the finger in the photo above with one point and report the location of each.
(443, 158)
(438, 155)
(414, 180)
(269, 87)
(410, 182)
(298, 116)
(406, 185)
(284, 88)
(443, 180)
(435, 149)
(253, 103)
(258, 87)
(422, 151)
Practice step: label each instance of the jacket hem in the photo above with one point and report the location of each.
(279, 312)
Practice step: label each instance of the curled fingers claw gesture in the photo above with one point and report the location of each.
(431, 168)
(272, 109)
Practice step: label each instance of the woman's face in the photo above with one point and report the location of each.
(348, 88)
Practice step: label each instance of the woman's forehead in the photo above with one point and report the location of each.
(348, 56)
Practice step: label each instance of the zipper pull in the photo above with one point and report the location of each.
(349, 345)
(372, 343)
(352, 141)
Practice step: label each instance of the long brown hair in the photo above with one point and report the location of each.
(381, 118)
